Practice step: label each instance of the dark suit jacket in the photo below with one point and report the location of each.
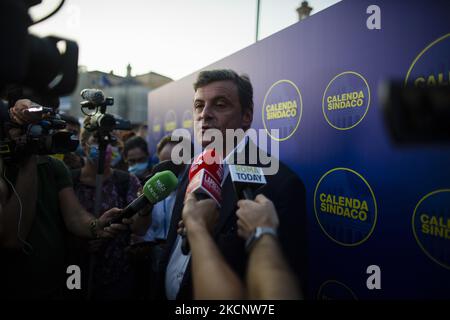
(286, 191)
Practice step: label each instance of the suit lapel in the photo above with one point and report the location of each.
(177, 209)
(229, 200)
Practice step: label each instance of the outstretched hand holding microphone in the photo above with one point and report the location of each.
(157, 188)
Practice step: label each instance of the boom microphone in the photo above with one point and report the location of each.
(94, 96)
(155, 189)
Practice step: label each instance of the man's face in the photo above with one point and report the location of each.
(73, 128)
(136, 155)
(217, 106)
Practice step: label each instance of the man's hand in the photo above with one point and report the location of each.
(197, 215)
(105, 231)
(21, 114)
(253, 214)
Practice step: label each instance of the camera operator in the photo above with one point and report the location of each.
(39, 206)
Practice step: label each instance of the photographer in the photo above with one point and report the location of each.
(39, 206)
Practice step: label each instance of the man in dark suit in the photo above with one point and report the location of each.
(224, 100)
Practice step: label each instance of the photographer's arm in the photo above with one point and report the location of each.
(270, 278)
(26, 188)
(82, 223)
(221, 282)
(268, 273)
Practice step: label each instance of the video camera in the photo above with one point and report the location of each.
(42, 69)
(48, 66)
(416, 115)
(44, 137)
(99, 120)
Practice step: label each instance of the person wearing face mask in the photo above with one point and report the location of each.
(137, 157)
(114, 277)
(73, 160)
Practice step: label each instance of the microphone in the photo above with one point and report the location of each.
(166, 165)
(205, 177)
(157, 188)
(210, 159)
(205, 186)
(94, 96)
(246, 180)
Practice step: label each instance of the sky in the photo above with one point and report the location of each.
(170, 37)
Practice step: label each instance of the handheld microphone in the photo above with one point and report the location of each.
(204, 185)
(94, 96)
(207, 159)
(166, 165)
(155, 189)
(246, 180)
(205, 182)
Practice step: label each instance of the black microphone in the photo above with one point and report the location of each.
(246, 180)
(166, 165)
(94, 96)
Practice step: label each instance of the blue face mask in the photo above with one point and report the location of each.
(138, 169)
(79, 150)
(93, 153)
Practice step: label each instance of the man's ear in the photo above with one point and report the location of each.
(247, 118)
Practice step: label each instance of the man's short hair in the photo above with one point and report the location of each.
(242, 82)
(135, 142)
(163, 142)
(167, 140)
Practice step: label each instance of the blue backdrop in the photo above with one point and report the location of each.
(369, 202)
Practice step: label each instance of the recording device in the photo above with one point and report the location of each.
(157, 188)
(163, 166)
(205, 178)
(166, 165)
(48, 66)
(45, 68)
(416, 115)
(99, 120)
(210, 159)
(246, 180)
(95, 98)
(107, 122)
(44, 137)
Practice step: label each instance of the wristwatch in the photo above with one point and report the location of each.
(258, 233)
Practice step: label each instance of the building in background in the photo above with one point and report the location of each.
(130, 92)
(304, 11)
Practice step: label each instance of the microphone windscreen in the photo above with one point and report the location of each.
(160, 186)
